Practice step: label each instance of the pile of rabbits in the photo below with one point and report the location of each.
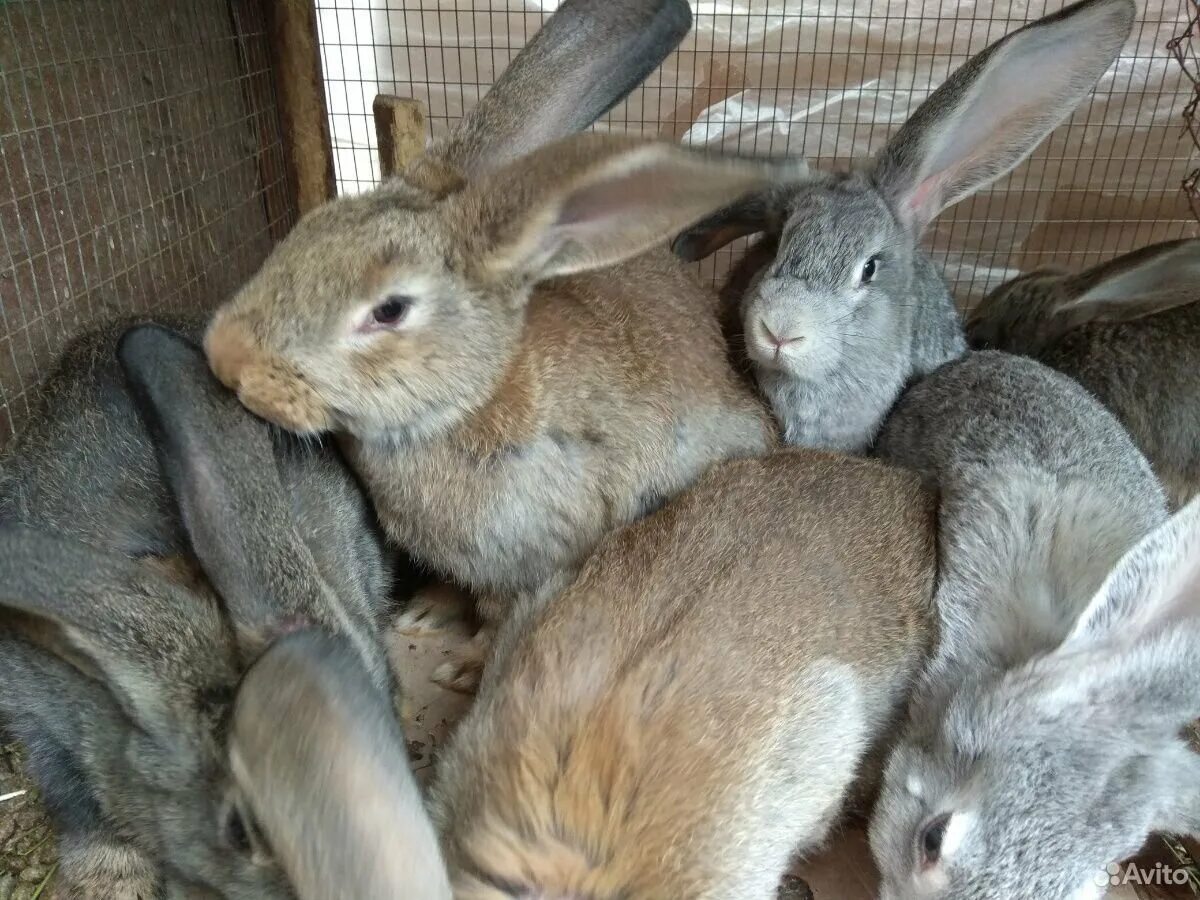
(923, 573)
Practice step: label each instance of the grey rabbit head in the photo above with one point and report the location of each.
(318, 754)
(1036, 782)
(1034, 310)
(851, 308)
(128, 666)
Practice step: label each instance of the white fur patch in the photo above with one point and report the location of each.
(914, 786)
(957, 828)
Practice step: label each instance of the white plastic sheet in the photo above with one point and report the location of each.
(829, 79)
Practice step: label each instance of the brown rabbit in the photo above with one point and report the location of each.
(679, 722)
(516, 363)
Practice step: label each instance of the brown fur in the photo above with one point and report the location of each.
(522, 414)
(647, 731)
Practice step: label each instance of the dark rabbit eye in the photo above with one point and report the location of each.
(932, 836)
(868, 269)
(392, 310)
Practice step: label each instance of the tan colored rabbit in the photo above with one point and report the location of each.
(689, 714)
(515, 361)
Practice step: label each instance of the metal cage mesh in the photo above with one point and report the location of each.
(829, 80)
(141, 167)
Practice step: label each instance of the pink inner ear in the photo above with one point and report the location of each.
(922, 204)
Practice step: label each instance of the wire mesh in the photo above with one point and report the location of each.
(829, 80)
(141, 167)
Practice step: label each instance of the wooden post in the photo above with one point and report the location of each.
(301, 89)
(400, 127)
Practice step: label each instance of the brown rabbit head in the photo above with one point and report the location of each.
(392, 315)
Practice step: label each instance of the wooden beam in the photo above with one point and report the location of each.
(308, 150)
(400, 127)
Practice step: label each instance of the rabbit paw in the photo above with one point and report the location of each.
(434, 610)
(101, 870)
(463, 668)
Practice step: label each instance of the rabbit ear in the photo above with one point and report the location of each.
(317, 752)
(993, 111)
(1141, 283)
(591, 201)
(91, 610)
(587, 58)
(220, 464)
(1155, 587)
(764, 211)
(1129, 662)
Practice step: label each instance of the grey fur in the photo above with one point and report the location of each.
(1127, 330)
(321, 758)
(1042, 493)
(850, 342)
(119, 658)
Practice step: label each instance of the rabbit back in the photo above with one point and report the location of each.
(1144, 372)
(1041, 491)
(695, 706)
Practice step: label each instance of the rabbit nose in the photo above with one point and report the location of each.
(230, 351)
(777, 342)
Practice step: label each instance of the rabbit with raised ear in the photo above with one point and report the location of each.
(1127, 330)
(636, 735)
(155, 537)
(1033, 784)
(514, 363)
(850, 307)
(1042, 492)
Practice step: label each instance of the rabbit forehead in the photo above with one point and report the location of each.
(833, 225)
(340, 256)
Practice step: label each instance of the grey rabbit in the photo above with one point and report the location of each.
(1041, 494)
(1040, 783)
(154, 539)
(840, 306)
(1127, 330)
(319, 757)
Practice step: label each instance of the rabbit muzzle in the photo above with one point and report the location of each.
(266, 384)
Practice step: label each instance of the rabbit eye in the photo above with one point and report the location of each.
(932, 836)
(869, 268)
(391, 311)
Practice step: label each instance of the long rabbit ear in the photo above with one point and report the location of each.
(1155, 586)
(587, 58)
(991, 113)
(593, 200)
(221, 466)
(1141, 283)
(1131, 655)
(762, 211)
(317, 752)
(105, 615)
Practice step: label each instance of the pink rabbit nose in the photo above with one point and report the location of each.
(777, 342)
